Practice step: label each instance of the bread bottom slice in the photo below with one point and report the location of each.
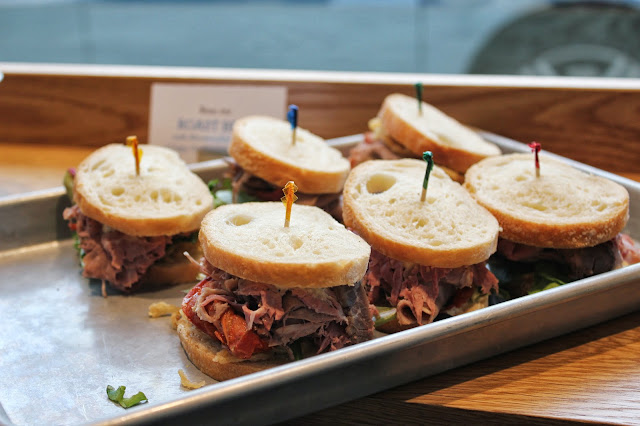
(214, 360)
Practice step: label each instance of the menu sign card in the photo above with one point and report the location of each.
(197, 119)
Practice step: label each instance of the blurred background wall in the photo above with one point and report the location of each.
(530, 37)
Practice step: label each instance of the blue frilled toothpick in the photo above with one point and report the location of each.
(292, 116)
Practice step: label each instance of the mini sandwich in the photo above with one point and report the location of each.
(427, 256)
(131, 228)
(273, 293)
(401, 130)
(266, 158)
(564, 224)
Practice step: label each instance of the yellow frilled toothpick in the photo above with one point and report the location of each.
(132, 141)
(289, 198)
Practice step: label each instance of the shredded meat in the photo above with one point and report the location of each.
(330, 317)
(110, 255)
(580, 263)
(259, 188)
(629, 249)
(420, 292)
(370, 148)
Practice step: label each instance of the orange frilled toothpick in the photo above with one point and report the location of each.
(535, 148)
(132, 141)
(289, 198)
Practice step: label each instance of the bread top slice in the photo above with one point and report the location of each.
(563, 208)
(263, 146)
(453, 144)
(447, 230)
(250, 241)
(165, 199)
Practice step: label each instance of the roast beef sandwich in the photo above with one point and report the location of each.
(273, 293)
(403, 130)
(564, 224)
(427, 256)
(266, 156)
(133, 228)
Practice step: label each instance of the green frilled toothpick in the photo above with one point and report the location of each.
(428, 157)
(418, 87)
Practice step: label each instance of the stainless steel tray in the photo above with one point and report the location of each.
(61, 343)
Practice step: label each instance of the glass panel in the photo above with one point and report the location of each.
(533, 37)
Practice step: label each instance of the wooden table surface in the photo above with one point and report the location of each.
(592, 375)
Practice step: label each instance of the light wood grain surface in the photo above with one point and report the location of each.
(50, 121)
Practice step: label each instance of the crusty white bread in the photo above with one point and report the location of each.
(453, 144)
(563, 208)
(214, 360)
(165, 199)
(262, 146)
(447, 230)
(250, 241)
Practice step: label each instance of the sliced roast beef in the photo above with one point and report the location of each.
(370, 148)
(331, 317)
(579, 263)
(629, 249)
(259, 188)
(354, 301)
(420, 292)
(111, 255)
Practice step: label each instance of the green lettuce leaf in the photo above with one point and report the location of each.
(117, 395)
(222, 193)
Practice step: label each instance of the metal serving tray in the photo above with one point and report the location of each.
(61, 343)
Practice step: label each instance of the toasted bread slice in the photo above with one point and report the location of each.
(215, 360)
(250, 241)
(165, 199)
(263, 146)
(563, 208)
(447, 230)
(453, 144)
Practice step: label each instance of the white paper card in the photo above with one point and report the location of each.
(197, 119)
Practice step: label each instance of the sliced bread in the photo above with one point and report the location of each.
(250, 241)
(263, 146)
(447, 230)
(453, 144)
(165, 199)
(563, 208)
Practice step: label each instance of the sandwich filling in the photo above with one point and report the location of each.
(113, 256)
(259, 189)
(527, 269)
(251, 317)
(419, 293)
(373, 147)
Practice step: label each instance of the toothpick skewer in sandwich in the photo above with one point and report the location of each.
(401, 130)
(426, 255)
(271, 292)
(564, 216)
(266, 158)
(133, 228)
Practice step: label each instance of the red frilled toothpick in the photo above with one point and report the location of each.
(535, 148)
